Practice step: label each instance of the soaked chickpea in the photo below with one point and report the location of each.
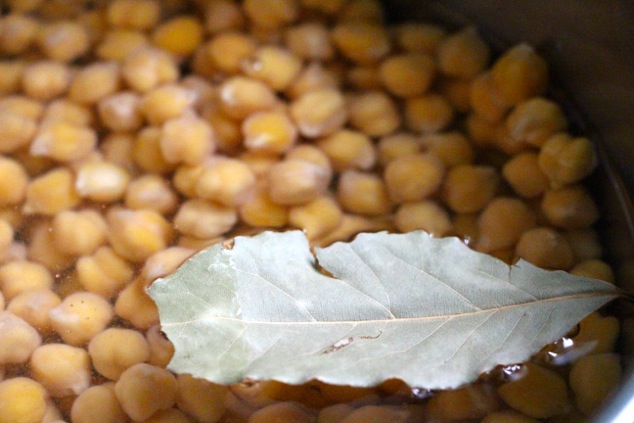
(134, 133)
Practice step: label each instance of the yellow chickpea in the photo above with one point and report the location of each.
(16, 130)
(186, 139)
(374, 113)
(143, 389)
(42, 248)
(502, 223)
(13, 182)
(534, 121)
(320, 112)
(104, 272)
(180, 35)
(546, 248)
(22, 400)
(203, 219)
(463, 54)
(423, 215)
(314, 77)
(364, 78)
(362, 42)
(470, 402)
(117, 148)
(133, 14)
(584, 243)
(6, 237)
(241, 96)
(33, 306)
(484, 100)
(523, 173)
(468, 189)
(227, 130)
(317, 217)
(137, 234)
(413, 178)
(20, 276)
(134, 305)
(45, 80)
(164, 263)
(260, 211)
(118, 44)
(429, 113)
(269, 132)
(407, 75)
(67, 111)
(227, 181)
(223, 15)
(348, 149)
(64, 142)
(598, 334)
(62, 369)
(80, 317)
(101, 181)
(271, 13)
(114, 350)
(170, 415)
(275, 66)
(363, 193)
(226, 51)
(200, 398)
(566, 160)
(166, 102)
(146, 151)
(17, 33)
(121, 112)
(394, 146)
(11, 72)
(79, 232)
(419, 37)
(452, 148)
(283, 411)
(64, 41)
(161, 349)
(151, 192)
(457, 91)
(297, 181)
(97, 404)
(362, 11)
(569, 208)
(310, 41)
(519, 75)
(146, 68)
(19, 339)
(596, 269)
(51, 192)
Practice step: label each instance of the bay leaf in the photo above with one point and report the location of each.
(429, 311)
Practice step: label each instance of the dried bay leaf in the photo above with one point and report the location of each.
(428, 311)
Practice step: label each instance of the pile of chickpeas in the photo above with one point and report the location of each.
(134, 133)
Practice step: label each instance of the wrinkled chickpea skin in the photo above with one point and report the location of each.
(136, 132)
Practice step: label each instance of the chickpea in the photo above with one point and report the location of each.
(19, 339)
(569, 208)
(377, 413)
(566, 160)
(429, 113)
(364, 78)
(22, 400)
(137, 234)
(297, 181)
(62, 369)
(413, 178)
(101, 181)
(362, 11)
(63, 141)
(463, 54)
(484, 100)
(394, 146)
(537, 392)
(171, 415)
(508, 416)
(16, 131)
(349, 150)
(151, 192)
(596, 269)
(103, 273)
(187, 139)
(470, 402)
(524, 175)
(166, 102)
(457, 91)
(424, 215)
(133, 14)
(118, 44)
(407, 75)
(260, 211)
(310, 41)
(362, 42)
(223, 15)
(598, 334)
(481, 133)
(545, 248)
(468, 188)
(452, 148)
(97, 404)
(314, 77)
(80, 317)
(79, 233)
(13, 182)
(121, 112)
(67, 111)
(317, 217)
(227, 181)
(269, 132)
(502, 223)
(584, 243)
(134, 305)
(64, 41)
(180, 36)
(114, 350)
(146, 151)
(275, 66)
(117, 148)
(142, 390)
(227, 131)
(164, 263)
(419, 37)
(45, 80)
(282, 411)
(21, 276)
(11, 72)
(200, 398)
(202, 219)
(17, 33)
(22, 105)
(95, 82)
(33, 306)
(334, 413)
(533, 121)
(227, 51)
(161, 349)
(374, 113)
(146, 68)
(363, 193)
(519, 75)
(241, 96)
